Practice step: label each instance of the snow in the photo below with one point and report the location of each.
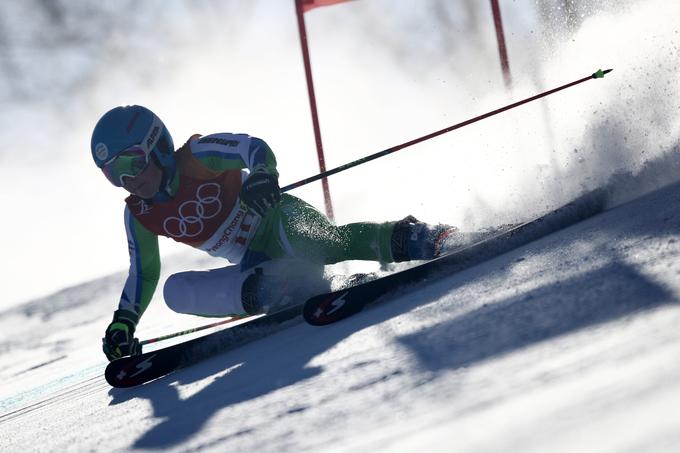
(569, 343)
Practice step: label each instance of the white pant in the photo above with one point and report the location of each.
(217, 292)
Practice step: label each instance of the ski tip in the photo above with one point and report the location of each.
(599, 74)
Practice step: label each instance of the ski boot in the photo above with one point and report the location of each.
(416, 240)
(269, 293)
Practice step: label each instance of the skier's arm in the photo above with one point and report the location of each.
(221, 152)
(260, 190)
(145, 266)
(119, 339)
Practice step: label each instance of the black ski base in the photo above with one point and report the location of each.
(136, 370)
(332, 307)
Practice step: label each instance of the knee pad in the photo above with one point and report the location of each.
(178, 294)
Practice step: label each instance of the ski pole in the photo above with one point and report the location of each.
(195, 329)
(599, 74)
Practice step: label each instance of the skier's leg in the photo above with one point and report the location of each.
(277, 284)
(216, 292)
(227, 291)
(305, 233)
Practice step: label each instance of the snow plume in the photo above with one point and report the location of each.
(624, 132)
(628, 125)
(538, 156)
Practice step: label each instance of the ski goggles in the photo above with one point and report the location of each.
(126, 164)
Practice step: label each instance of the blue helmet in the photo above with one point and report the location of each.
(123, 127)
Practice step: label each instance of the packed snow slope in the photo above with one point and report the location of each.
(570, 343)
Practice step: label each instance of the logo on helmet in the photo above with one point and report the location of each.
(151, 141)
(101, 151)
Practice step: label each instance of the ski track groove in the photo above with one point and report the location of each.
(71, 393)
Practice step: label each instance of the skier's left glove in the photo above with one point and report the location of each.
(260, 191)
(119, 340)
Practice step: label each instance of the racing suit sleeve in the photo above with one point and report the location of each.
(145, 266)
(226, 151)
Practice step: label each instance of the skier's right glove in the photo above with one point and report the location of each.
(260, 191)
(119, 340)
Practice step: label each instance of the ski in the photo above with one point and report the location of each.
(136, 370)
(332, 307)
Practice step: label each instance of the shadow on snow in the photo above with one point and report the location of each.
(545, 313)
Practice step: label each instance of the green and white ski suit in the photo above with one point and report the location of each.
(201, 207)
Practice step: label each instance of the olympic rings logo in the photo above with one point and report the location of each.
(189, 224)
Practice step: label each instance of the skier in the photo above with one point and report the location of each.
(220, 193)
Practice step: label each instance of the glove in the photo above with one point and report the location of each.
(260, 191)
(119, 340)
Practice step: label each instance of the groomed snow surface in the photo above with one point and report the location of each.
(570, 343)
